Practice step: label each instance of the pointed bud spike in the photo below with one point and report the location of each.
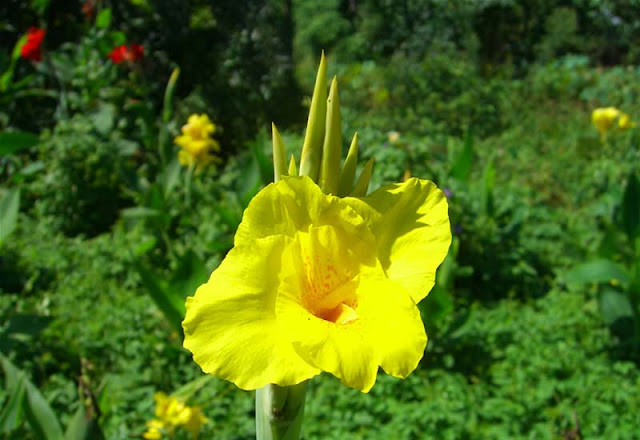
(279, 154)
(314, 137)
(348, 173)
(332, 149)
(362, 185)
(293, 169)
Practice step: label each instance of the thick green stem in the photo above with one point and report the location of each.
(279, 412)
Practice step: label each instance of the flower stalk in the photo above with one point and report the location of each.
(279, 412)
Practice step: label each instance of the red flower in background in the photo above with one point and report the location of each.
(133, 52)
(32, 49)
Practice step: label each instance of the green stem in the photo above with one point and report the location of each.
(279, 412)
(187, 183)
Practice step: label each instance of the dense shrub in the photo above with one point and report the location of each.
(85, 172)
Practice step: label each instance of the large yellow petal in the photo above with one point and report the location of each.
(410, 221)
(293, 204)
(230, 324)
(392, 322)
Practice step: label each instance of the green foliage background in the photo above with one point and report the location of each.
(490, 99)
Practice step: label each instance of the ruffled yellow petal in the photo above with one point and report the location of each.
(293, 204)
(411, 224)
(230, 324)
(317, 305)
(341, 313)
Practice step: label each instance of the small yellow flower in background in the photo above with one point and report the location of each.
(155, 430)
(393, 137)
(172, 413)
(604, 118)
(625, 122)
(196, 142)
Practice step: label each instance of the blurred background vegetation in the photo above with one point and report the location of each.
(534, 324)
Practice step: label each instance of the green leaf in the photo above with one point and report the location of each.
(104, 118)
(615, 306)
(7, 75)
(103, 20)
(488, 179)
(9, 206)
(83, 427)
(597, 271)
(12, 414)
(167, 104)
(41, 418)
(168, 301)
(631, 207)
(186, 391)
(170, 177)
(189, 275)
(461, 167)
(118, 38)
(141, 212)
(15, 141)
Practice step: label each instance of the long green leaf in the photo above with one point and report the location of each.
(615, 306)
(170, 304)
(41, 418)
(9, 206)
(189, 275)
(83, 426)
(461, 167)
(15, 141)
(12, 414)
(103, 20)
(631, 207)
(488, 179)
(597, 271)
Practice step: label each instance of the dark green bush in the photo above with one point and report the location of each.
(85, 173)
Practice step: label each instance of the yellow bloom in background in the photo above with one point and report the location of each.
(321, 283)
(625, 122)
(604, 118)
(195, 421)
(172, 413)
(393, 137)
(155, 430)
(196, 142)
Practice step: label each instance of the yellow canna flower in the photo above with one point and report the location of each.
(604, 118)
(321, 283)
(625, 122)
(196, 142)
